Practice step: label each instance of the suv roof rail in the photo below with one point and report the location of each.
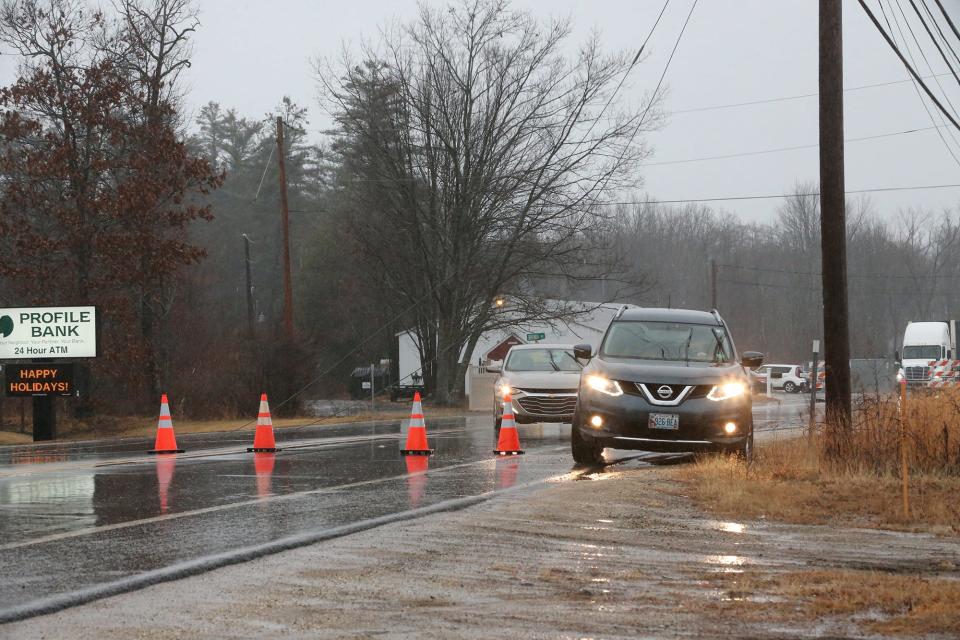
(716, 314)
(620, 311)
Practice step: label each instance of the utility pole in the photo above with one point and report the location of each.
(285, 214)
(833, 228)
(713, 283)
(246, 255)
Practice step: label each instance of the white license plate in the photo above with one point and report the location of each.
(664, 421)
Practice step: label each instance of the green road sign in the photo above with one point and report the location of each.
(535, 336)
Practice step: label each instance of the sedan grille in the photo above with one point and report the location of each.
(546, 406)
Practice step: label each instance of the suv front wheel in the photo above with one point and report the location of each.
(584, 451)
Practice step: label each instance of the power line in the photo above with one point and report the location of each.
(778, 195)
(916, 88)
(653, 98)
(930, 276)
(626, 73)
(906, 64)
(779, 149)
(947, 18)
(943, 36)
(872, 292)
(798, 96)
(936, 42)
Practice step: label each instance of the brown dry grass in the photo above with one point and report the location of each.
(788, 481)
(931, 425)
(140, 426)
(8, 437)
(852, 479)
(883, 603)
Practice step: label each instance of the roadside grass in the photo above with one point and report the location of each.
(142, 426)
(853, 480)
(881, 603)
(10, 437)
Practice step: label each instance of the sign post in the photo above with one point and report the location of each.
(43, 335)
(813, 389)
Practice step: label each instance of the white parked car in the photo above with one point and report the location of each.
(542, 380)
(787, 377)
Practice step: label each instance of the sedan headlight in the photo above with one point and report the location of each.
(727, 391)
(604, 385)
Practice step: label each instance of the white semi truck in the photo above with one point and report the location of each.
(923, 343)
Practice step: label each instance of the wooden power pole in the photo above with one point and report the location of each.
(833, 228)
(246, 261)
(285, 214)
(713, 283)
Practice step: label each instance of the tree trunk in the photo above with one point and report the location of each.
(447, 369)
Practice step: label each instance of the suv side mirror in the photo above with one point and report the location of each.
(494, 367)
(582, 352)
(751, 359)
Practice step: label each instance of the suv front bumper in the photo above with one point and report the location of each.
(626, 423)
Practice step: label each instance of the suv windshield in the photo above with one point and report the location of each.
(673, 341)
(922, 352)
(542, 360)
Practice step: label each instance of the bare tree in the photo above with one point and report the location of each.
(476, 158)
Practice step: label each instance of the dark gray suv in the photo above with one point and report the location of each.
(664, 380)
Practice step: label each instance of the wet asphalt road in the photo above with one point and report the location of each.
(79, 516)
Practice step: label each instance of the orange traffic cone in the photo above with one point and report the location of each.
(417, 433)
(509, 442)
(417, 467)
(263, 441)
(166, 442)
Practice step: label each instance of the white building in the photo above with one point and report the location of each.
(588, 328)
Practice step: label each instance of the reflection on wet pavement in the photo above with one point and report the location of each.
(729, 527)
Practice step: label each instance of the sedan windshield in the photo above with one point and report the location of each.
(542, 360)
(674, 341)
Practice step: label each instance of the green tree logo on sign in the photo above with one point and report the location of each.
(6, 326)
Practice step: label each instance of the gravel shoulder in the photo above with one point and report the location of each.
(616, 554)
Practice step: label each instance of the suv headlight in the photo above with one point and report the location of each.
(604, 385)
(727, 391)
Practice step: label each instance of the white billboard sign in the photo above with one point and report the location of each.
(48, 332)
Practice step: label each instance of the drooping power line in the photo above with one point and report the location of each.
(907, 65)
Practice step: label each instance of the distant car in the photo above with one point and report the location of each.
(791, 378)
(542, 380)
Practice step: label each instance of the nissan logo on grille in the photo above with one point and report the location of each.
(664, 391)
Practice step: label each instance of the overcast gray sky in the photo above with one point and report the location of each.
(250, 53)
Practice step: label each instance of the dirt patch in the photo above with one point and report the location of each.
(788, 482)
(625, 553)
